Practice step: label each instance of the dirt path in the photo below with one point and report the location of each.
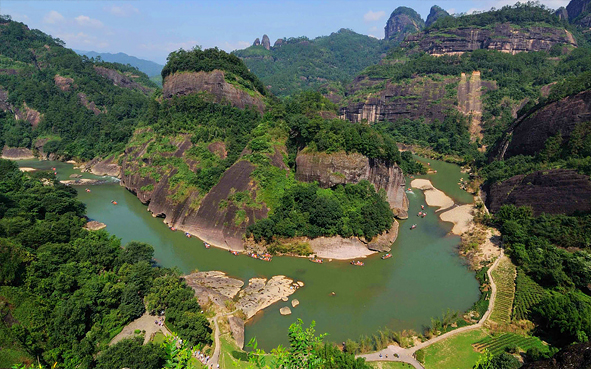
(215, 358)
(143, 323)
(407, 355)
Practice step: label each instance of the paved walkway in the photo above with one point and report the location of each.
(407, 355)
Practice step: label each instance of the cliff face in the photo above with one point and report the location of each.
(571, 357)
(435, 13)
(30, 115)
(199, 214)
(577, 7)
(470, 91)
(503, 37)
(213, 83)
(557, 191)
(529, 134)
(339, 168)
(397, 101)
(402, 21)
(121, 80)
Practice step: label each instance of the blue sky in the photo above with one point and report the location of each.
(152, 29)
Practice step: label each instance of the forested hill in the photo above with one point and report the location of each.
(146, 66)
(296, 64)
(56, 101)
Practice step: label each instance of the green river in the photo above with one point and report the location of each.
(423, 279)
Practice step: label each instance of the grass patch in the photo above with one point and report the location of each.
(158, 338)
(500, 343)
(455, 352)
(504, 277)
(390, 365)
(230, 354)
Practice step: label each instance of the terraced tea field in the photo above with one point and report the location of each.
(504, 277)
(497, 344)
(527, 294)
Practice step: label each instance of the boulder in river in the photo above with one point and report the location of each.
(285, 311)
(295, 302)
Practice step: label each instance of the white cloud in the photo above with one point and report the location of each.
(236, 45)
(86, 21)
(372, 16)
(53, 17)
(82, 39)
(122, 11)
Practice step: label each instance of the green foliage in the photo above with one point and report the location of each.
(498, 344)
(83, 133)
(307, 210)
(519, 14)
(71, 290)
(565, 317)
(527, 294)
(132, 354)
(302, 64)
(197, 60)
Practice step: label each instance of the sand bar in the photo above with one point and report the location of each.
(27, 169)
(339, 248)
(433, 196)
(460, 216)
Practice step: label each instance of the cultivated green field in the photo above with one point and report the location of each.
(527, 294)
(499, 343)
(504, 277)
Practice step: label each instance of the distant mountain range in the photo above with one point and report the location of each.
(149, 67)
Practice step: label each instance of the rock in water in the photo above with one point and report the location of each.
(266, 42)
(285, 311)
(93, 225)
(295, 302)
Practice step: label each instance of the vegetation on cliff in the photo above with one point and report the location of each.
(68, 291)
(70, 129)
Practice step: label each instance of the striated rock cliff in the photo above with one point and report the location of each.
(401, 100)
(557, 191)
(435, 13)
(340, 168)
(214, 83)
(17, 153)
(121, 80)
(198, 214)
(402, 22)
(528, 135)
(470, 93)
(503, 37)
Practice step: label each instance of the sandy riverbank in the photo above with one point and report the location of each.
(433, 196)
(339, 248)
(461, 216)
(27, 169)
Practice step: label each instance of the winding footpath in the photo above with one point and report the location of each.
(407, 355)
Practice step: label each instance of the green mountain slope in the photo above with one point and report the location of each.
(302, 64)
(146, 66)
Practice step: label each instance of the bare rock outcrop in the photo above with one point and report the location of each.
(556, 191)
(237, 327)
(403, 21)
(341, 168)
(89, 104)
(266, 42)
(400, 100)
(571, 357)
(278, 43)
(257, 42)
(528, 134)
(214, 83)
(470, 91)
(17, 153)
(106, 167)
(64, 83)
(435, 13)
(121, 80)
(503, 37)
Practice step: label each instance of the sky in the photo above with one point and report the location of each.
(152, 29)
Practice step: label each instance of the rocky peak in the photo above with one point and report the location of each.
(256, 42)
(562, 13)
(435, 13)
(266, 42)
(403, 21)
(577, 7)
(278, 43)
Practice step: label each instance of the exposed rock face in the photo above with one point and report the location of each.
(529, 133)
(93, 225)
(504, 37)
(571, 357)
(198, 215)
(212, 82)
(30, 115)
(470, 93)
(435, 13)
(89, 104)
(63, 83)
(557, 191)
(339, 168)
(278, 43)
(402, 21)
(577, 7)
(17, 153)
(266, 42)
(256, 42)
(562, 13)
(108, 167)
(121, 80)
(237, 328)
(399, 101)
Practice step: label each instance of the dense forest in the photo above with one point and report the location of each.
(298, 64)
(67, 291)
(67, 127)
